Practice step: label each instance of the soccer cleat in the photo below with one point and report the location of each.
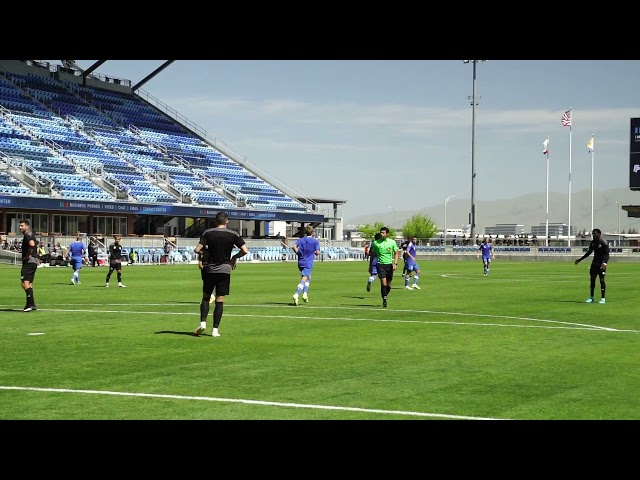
(215, 333)
(73, 281)
(590, 300)
(107, 285)
(305, 297)
(407, 287)
(198, 331)
(29, 309)
(384, 302)
(416, 286)
(295, 299)
(368, 286)
(602, 301)
(121, 286)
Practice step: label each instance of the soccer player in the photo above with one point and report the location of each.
(486, 250)
(115, 261)
(387, 252)
(403, 248)
(93, 251)
(77, 251)
(217, 265)
(600, 249)
(30, 264)
(307, 249)
(411, 266)
(373, 261)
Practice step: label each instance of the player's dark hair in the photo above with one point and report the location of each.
(377, 236)
(384, 229)
(26, 222)
(222, 218)
(597, 230)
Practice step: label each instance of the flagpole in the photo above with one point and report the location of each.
(546, 230)
(592, 181)
(569, 229)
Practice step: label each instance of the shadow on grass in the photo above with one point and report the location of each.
(172, 332)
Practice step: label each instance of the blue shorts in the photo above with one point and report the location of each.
(76, 263)
(373, 270)
(305, 271)
(486, 260)
(412, 267)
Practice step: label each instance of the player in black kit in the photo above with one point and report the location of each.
(600, 247)
(115, 261)
(30, 264)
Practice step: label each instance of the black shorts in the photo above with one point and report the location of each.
(595, 269)
(115, 266)
(220, 282)
(28, 272)
(385, 271)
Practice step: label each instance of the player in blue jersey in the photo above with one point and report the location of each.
(373, 261)
(77, 251)
(486, 250)
(307, 249)
(411, 266)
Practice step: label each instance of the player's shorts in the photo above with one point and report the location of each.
(411, 267)
(486, 260)
(28, 272)
(115, 265)
(305, 271)
(220, 282)
(595, 269)
(76, 262)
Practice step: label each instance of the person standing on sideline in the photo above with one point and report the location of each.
(30, 264)
(216, 269)
(373, 261)
(77, 251)
(387, 252)
(411, 266)
(403, 247)
(307, 249)
(93, 251)
(115, 261)
(600, 249)
(487, 254)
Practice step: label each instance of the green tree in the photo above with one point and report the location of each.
(419, 226)
(369, 230)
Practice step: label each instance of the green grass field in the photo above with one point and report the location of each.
(521, 344)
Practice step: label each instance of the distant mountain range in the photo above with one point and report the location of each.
(526, 210)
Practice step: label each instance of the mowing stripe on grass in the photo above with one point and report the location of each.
(248, 402)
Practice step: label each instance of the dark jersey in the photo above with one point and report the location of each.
(29, 253)
(115, 253)
(219, 243)
(403, 247)
(600, 250)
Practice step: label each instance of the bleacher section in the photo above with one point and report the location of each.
(98, 144)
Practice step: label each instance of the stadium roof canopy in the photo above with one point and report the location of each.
(87, 72)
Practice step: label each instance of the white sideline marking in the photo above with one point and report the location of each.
(250, 402)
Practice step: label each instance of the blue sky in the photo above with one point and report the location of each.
(397, 133)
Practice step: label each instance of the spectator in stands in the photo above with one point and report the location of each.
(133, 256)
(486, 250)
(307, 249)
(219, 242)
(93, 251)
(30, 264)
(412, 267)
(115, 261)
(373, 261)
(599, 263)
(387, 252)
(77, 251)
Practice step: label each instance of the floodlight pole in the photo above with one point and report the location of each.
(474, 102)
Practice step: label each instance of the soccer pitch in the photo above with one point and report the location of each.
(520, 344)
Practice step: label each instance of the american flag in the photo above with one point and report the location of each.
(566, 118)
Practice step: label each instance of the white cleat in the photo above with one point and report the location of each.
(295, 299)
(407, 287)
(106, 286)
(305, 298)
(415, 286)
(215, 333)
(121, 286)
